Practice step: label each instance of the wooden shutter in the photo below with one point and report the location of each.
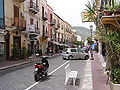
(31, 21)
(16, 15)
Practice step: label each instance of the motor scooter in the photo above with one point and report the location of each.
(41, 69)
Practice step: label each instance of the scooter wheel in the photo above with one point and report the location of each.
(46, 74)
(37, 77)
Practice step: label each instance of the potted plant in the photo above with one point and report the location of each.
(23, 53)
(115, 78)
(15, 53)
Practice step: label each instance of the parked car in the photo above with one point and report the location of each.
(74, 53)
(85, 49)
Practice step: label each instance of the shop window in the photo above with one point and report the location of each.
(2, 48)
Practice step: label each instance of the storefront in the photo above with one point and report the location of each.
(2, 47)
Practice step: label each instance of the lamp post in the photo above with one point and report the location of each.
(91, 51)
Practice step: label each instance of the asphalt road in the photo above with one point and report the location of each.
(22, 78)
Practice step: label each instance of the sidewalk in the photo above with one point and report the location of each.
(99, 78)
(10, 64)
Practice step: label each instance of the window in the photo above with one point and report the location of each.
(37, 24)
(65, 50)
(31, 21)
(73, 50)
(42, 11)
(36, 2)
(50, 17)
(43, 30)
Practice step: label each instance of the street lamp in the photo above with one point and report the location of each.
(91, 51)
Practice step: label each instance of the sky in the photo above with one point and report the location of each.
(70, 11)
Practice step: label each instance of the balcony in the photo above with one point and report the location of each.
(111, 18)
(45, 16)
(111, 13)
(56, 27)
(2, 23)
(52, 22)
(33, 7)
(21, 0)
(20, 24)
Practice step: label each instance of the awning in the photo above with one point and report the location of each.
(111, 20)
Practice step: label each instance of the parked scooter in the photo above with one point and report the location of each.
(41, 69)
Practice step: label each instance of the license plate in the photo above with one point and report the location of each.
(36, 69)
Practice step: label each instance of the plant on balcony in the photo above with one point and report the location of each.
(91, 12)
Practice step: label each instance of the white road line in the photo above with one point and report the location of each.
(58, 68)
(31, 86)
(48, 74)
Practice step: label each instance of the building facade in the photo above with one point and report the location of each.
(31, 25)
(43, 25)
(32, 16)
(15, 26)
(2, 30)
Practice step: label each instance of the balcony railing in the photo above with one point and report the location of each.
(33, 7)
(45, 16)
(110, 13)
(33, 29)
(2, 23)
(19, 23)
(52, 22)
(56, 27)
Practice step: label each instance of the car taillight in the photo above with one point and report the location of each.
(66, 52)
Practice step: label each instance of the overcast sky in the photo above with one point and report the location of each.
(70, 10)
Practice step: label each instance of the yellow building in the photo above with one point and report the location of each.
(15, 26)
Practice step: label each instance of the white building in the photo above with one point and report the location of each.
(79, 38)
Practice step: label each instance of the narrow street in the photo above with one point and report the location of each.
(23, 79)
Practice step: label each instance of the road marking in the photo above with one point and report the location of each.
(31, 86)
(58, 68)
(48, 74)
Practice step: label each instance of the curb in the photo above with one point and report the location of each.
(22, 63)
(14, 65)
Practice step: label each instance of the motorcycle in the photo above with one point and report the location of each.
(41, 69)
